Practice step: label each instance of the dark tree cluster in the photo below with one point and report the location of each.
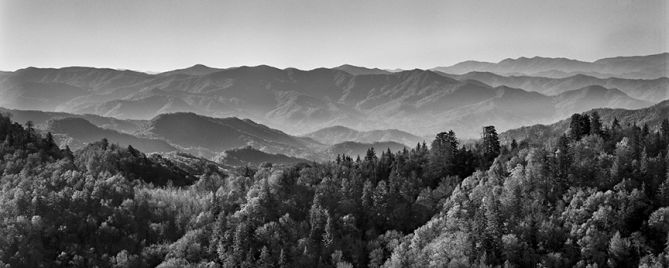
(108, 206)
(598, 197)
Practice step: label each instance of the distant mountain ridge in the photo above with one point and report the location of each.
(643, 89)
(637, 67)
(40, 118)
(78, 132)
(591, 97)
(207, 136)
(253, 157)
(339, 134)
(231, 141)
(357, 70)
(423, 102)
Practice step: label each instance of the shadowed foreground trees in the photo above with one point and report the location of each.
(594, 198)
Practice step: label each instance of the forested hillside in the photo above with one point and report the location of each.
(598, 196)
(652, 116)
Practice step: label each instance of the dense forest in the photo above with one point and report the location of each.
(598, 197)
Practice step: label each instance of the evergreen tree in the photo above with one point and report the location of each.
(579, 126)
(490, 144)
(615, 125)
(595, 124)
(563, 159)
(442, 156)
(30, 130)
(514, 144)
(370, 156)
(49, 140)
(664, 130)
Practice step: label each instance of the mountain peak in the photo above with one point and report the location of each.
(197, 69)
(359, 70)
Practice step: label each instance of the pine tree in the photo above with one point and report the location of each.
(664, 130)
(563, 158)
(442, 156)
(490, 145)
(595, 124)
(514, 144)
(370, 156)
(615, 125)
(493, 229)
(240, 243)
(49, 140)
(30, 130)
(579, 126)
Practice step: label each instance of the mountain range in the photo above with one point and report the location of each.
(233, 141)
(643, 89)
(634, 67)
(422, 102)
(78, 132)
(229, 141)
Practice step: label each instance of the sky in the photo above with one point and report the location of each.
(167, 34)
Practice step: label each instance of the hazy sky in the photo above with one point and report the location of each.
(163, 34)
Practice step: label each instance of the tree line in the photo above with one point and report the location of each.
(599, 196)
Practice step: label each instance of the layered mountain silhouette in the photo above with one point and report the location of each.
(339, 134)
(643, 89)
(208, 136)
(233, 141)
(302, 101)
(636, 67)
(591, 97)
(40, 118)
(357, 70)
(248, 156)
(230, 141)
(537, 134)
(77, 133)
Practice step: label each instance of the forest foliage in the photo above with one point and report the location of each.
(598, 197)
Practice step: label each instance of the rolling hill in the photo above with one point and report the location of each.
(635, 67)
(652, 116)
(253, 157)
(644, 89)
(339, 134)
(78, 132)
(207, 136)
(591, 97)
(40, 118)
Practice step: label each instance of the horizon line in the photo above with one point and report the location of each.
(390, 69)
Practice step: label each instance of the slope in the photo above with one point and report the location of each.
(339, 134)
(77, 132)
